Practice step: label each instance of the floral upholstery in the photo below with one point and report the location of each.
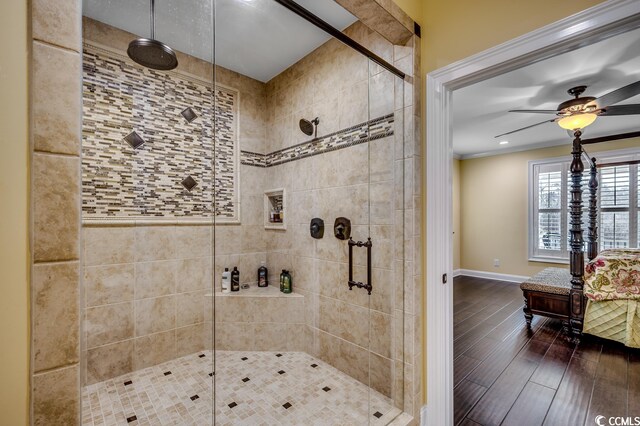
(613, 274)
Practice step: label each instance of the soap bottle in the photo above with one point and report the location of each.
(235, 279)
(226, 281)
(263, 272)
(282, 281)
(287, 283)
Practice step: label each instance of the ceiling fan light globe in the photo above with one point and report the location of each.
(577, 121)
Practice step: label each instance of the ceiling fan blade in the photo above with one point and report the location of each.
(622, 110)
(536, 111)
(616, 96)
(528, 127)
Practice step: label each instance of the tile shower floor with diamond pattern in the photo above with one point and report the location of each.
(252, 388)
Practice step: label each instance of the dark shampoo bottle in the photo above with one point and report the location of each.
(235, 279)
(263, 274)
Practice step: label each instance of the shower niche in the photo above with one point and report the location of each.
(275, 209)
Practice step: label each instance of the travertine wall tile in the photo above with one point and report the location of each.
(106, 362)
(56, 99)
(109, 324)
(107, 284)
(155, 315)
(109, 245)
(56, 196)
(56, 397)
(154, 349)
(56, 325)
(154, 279)
(57, 23)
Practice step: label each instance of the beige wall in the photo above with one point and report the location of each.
(14, 189)
(452, 31)
(495, 222)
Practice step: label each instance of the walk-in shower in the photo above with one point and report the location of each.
(211, 294)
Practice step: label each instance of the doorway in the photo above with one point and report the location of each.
(587, 27)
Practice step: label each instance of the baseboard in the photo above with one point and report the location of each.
(423, 415)
(457, 272)
(517, 279)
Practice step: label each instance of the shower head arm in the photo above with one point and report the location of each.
(153, 19)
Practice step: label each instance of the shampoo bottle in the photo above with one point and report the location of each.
(226, 281)
(235, 279)
(282, 281)
(263, 272)
(287, 283)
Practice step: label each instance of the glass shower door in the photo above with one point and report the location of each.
(315, 161)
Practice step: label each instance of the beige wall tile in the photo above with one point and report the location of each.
(108, 284)
(193, 241)
(234, 336)
(56, 215)
(189, 308)
(155, 243)
(296, 337)
(109, 324)
(155, 315)
(381, 374)
(383, 291)
(57, 22)
(55, 311)
(190, 339)
(56, 104)
(241, 309)
(154, 349)
(109, 245)
(56, 397)
(109, 361)
(270, 337)
(194, 274)
(381, 333)
(154, 279)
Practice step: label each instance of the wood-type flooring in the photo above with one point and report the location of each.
(507, 375)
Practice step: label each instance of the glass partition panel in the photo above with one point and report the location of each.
(148, 181)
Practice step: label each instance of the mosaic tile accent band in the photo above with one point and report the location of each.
(369, 130)
(145, 182)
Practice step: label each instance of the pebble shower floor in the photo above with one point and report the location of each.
(254, 388)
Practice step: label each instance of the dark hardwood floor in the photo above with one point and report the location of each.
(507, 375)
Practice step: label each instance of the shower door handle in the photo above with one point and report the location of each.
(367, 286)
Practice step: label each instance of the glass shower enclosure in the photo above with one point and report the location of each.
(272, 144)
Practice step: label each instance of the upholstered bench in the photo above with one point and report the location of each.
(547, 294)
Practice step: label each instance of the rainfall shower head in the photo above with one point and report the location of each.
(152, 53)
(308, 127)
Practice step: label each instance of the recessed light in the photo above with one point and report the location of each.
(504, 142)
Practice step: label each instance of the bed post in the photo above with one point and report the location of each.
(592, 239)
(576, 256)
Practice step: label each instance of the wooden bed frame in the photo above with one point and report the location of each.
(570, 306)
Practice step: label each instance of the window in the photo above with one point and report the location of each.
(549, 195)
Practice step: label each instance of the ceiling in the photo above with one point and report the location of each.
(257, 38)
(480, 110)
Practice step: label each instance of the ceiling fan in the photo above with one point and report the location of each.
(579, 112)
